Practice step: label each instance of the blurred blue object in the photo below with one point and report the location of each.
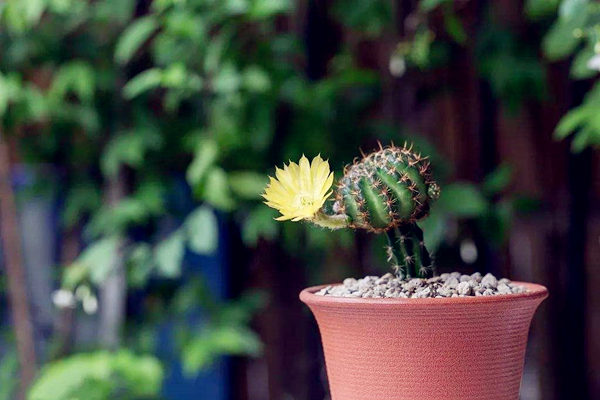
(212, 383)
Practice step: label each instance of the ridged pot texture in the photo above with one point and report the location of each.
(462, 348)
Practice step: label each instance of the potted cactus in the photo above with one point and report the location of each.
(410, 334)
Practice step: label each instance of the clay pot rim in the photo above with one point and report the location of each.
(534, 291)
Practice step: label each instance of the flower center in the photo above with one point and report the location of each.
(306, 201)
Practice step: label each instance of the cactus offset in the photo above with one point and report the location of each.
(389, 190)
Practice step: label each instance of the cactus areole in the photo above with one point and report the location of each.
(388, 190)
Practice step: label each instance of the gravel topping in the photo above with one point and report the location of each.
(445, 285)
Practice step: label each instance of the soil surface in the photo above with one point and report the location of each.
(445, 285)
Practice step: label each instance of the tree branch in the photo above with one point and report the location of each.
(13, 261)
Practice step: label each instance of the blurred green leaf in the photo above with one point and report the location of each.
(81, 199)
(260, 9)
(204, 348)
(128, 148)
(587, 136)
(562, 39)
(236, 7)
(134, 37)
(9, 375)
(75, 77)
(462, 200)
(569, 9)
(247, 184)
(421, 46)
(255, 79)
(259, 223)
(113, 219)
(455, 27)
(217, 191)
(538, 9)
(202, 230)
(511, 67)
(19, 15)
(261, 123)
(100, 376)
(583, 121)
(580, 67)
(144, 81)
(150, 194)
(74, 275)
(141, 264)
(429, 5)
(496, 222)
(434, 228)
(227, 80)
(525, 204)
(4, 96)
(369, 17)
(168, 254)
(113, 11)
(573, 120)
(177, 76)
(192, 294)
(100, 258)
(215, 50)
(206, 154)
(497, 180)
(239, 311)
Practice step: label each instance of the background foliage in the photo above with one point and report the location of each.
(161, 119)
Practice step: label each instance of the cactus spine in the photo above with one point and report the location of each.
(389, 191)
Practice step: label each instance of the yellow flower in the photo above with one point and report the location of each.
(300, 190)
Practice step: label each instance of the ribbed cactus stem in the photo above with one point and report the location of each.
(408, 253)
(389, 191)
(423, 261)
(397, 254)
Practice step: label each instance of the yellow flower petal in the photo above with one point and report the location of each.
(299, 190)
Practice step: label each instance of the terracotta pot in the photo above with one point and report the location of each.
(461, 348)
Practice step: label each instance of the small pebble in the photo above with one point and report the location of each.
(489, 281)
(349, 282)
(452, 282)
(503, 288)
(423, 293)
(464, 288)
(443, 286)
(476, 276)
(517, 289)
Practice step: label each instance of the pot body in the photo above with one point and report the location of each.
(462, 348)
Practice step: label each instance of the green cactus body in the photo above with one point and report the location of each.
(389, 190)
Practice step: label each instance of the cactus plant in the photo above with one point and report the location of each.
(388, 190)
